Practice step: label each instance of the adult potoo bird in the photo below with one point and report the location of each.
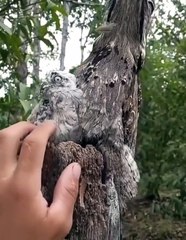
(110, 84)
(59, 101)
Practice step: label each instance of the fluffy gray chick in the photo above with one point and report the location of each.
(59, 101)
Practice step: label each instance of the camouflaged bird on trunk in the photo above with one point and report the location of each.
(108, 120)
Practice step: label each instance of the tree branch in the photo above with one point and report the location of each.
(83, 3)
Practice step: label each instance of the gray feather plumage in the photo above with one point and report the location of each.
(59, 101)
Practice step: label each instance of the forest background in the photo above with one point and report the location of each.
(34, 32)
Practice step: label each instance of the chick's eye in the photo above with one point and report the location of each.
(57, 79)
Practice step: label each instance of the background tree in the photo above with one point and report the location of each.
(86, 15)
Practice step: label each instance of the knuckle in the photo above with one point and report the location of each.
(28, 143)
(32, 142)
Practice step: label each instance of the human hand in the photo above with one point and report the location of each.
(24, 213)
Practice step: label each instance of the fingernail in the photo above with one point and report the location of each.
(76, 170)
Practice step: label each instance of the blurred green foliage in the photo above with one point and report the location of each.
(18, 25)
(161, 149)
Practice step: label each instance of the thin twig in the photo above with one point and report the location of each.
(84, 4)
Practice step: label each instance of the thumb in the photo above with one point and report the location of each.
(65, 195)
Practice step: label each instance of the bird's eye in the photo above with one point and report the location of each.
(57, 79)
(45, 102)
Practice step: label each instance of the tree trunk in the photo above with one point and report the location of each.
(83, 45)
(36, 45)
(64, 36)
(109, 117)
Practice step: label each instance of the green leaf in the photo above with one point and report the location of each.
(52, 6)
(43, 30)
(43, 4)
(5, 27)
(29, 24)
(4, 37)
(25, 32)
(14, 44)
(23, 4)
(25, 104)
(53, 37)
(4, 54)
(61, 9)
(15, 41)
(23, 91)
(55, 18)
(48, 43)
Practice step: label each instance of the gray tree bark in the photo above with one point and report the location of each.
(109, 80)
(22, 68)
(64, 36)
(83, 42)
(36, 45)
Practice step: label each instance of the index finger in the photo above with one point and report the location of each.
(10, 139)
(32, 154)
